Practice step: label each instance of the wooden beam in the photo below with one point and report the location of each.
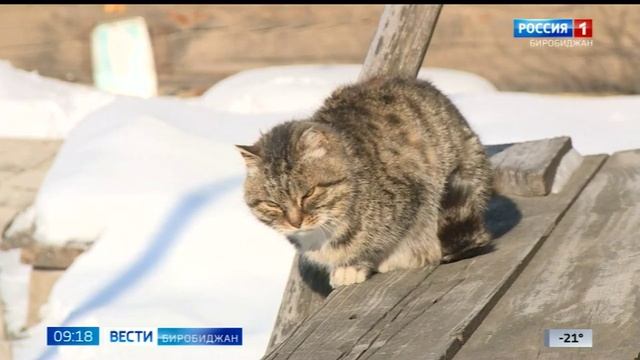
(398, 48)
(429, 313)
(529, 168)
(52, 257)
(299, 299)
(400, 43)
(585, 276)
(41, 283)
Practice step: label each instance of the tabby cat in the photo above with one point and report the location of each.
(386, 175)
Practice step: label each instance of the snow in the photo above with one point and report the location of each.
(129, 155)
(595, 124)
(155, 185)
(14, 290)
(302, 88)
(38, 107)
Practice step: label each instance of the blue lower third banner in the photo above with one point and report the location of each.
(199, 336)
(73, 335)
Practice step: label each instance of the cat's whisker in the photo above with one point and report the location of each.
(325, 231)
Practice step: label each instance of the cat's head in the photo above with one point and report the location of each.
(297, 178)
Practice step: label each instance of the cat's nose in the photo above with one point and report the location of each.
(294, 217)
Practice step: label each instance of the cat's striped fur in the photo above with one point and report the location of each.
(387, 174)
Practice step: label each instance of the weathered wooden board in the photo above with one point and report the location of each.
(299, 300)
(584, 276)
(5, 344)
(419, 314)
(196, 45)
(347, 313)
(519, 167)
(528, 168)
(41, 283)
(401, 41)
(51, 257)
(23, 165)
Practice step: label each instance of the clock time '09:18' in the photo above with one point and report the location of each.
(73, 335)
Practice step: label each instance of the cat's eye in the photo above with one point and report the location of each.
(271, 205)
(309, 193)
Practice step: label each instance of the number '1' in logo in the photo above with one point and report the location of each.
(583, 28)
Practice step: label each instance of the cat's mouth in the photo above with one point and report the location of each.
(310, 239)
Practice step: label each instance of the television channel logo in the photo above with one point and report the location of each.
(555, 32)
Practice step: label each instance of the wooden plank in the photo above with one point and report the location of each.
(528, 168)
(522, 164)
(299, 300)
(584, 276)
(435, 329)
(23, 165)
(401, 40)
(5, 342)
(418, 314)
(51, 257)
(40, 286)
(350, 304)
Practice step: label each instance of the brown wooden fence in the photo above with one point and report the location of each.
(196, 45)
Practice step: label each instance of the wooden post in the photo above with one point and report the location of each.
(397, 49)
(400, 43)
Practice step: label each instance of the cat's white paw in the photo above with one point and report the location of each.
(385, 267)
(347, 275)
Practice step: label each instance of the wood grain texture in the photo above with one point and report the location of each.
(197, 45)
(584, 276)
(528, 168)
(194, 45)
(401, 41)
(429, 313)
(41, 283)
(347, 314)
(23, 165)
(5, 342)
(525, 169)
(299, 300)
(51, 257)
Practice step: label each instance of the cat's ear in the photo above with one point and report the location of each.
(314, 143)
(251, 155)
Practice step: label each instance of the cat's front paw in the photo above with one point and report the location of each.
(347, 275)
